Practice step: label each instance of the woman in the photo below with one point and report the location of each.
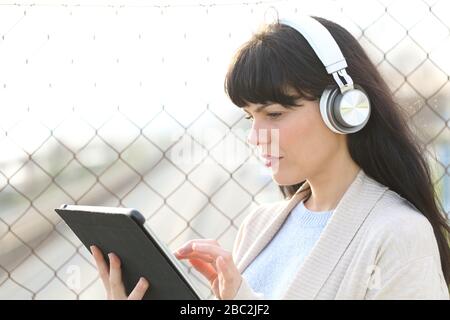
(360, 219)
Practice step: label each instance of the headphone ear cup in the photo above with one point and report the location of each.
(345, 113)
(327, 108)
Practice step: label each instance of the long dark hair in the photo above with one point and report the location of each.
(277, 57)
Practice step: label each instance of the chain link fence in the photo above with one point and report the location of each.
(123, 105)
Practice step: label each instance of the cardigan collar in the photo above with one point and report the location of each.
(346, 219)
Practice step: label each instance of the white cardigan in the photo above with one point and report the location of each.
(376, 245)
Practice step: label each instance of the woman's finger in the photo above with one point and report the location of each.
(226, 269)
(102, 266)
(212, 250)
(140, 289)
(187, 247)
(196, 255)
(206, 269)
(220, 280)
(215, 288)
(229, 278)
(115, 277)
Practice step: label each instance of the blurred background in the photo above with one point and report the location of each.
(102, 102)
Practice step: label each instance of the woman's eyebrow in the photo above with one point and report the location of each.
(259, 108)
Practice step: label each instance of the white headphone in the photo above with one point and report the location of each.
(345, 108)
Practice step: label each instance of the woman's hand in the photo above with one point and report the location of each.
(112, 278)
(215, 263)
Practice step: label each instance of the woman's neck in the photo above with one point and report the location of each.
(328, 187)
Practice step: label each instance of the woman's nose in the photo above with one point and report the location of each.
(258, 136)
(252, 137)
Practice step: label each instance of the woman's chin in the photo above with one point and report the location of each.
(283, 179)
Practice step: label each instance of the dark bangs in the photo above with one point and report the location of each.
(266, 70)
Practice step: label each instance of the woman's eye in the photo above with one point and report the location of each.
(274, 115)
(270, 115)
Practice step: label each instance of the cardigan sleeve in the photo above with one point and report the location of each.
(418, 279)
(408, 263)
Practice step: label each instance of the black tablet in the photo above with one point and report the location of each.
(123, 231)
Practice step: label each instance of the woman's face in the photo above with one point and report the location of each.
(297, 135)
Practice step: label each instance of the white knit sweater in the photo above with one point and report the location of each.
(376, 245)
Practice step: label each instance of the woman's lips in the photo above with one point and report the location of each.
(271, 160)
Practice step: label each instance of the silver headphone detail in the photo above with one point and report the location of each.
(344, 113)
(344, 108)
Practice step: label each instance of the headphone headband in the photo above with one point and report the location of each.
(321, 41)
(346, 111)
(325, 47)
